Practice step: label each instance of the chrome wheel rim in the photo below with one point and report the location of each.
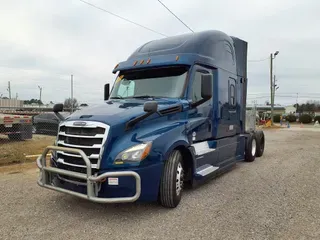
(179, 179)
(254, 147)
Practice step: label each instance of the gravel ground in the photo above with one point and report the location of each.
(275, 197)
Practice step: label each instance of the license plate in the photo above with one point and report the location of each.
(8, 125)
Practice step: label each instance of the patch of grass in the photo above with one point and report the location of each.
(16, 151)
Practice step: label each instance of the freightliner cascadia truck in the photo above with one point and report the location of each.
(175, 117)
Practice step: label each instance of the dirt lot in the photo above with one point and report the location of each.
(275, 197)
(16, 151)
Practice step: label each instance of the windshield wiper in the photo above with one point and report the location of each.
(143, 96)
(116, 97)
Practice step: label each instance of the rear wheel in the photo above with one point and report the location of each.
(15, 137)
(260, 143)
(172, 181)
(251, 148)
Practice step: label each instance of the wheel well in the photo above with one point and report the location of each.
(187, 162)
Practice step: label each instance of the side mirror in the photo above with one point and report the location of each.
(206, 86)
(58, 108)
(150, 107)
(106, 91)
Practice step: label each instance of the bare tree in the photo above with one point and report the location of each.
(68, 103)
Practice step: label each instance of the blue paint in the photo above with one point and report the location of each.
(218, 121)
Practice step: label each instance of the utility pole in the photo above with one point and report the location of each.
(274, 89)
(272, 57)
(40, 88)
(9, 89)
(271, 90)
(16, 95)
(297, 104)
(71, 93)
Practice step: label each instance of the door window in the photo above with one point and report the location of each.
(196, 85)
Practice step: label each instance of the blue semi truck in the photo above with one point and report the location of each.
(175, 117)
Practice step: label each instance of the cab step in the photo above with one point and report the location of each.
(206, 170)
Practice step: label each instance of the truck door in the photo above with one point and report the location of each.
(201, 119)
(200, 116)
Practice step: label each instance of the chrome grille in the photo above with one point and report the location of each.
(89, 137)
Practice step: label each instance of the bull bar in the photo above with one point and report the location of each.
(45, 177)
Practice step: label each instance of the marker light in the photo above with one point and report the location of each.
(177, 58)
(142, 61)
(135, 63)
(149, 60)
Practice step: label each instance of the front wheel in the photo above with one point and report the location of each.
(172, 181)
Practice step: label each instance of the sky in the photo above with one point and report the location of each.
(43, 42)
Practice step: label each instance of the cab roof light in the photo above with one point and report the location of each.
(177, 58)
(148, 61)
(116, 66)
(135, 63)
(141, 62)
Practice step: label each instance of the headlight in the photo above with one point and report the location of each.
(134, 154)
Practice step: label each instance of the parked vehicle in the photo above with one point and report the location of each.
(47, 122)
(176, 115)
(16, 127)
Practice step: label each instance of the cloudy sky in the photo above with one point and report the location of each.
(43, 42)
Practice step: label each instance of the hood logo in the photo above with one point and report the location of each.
(79, 124)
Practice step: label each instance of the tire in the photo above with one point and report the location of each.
(260, 143)
(172, 181)
(251, 148)
(15, 137)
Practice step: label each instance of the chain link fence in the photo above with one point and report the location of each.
(38, 126)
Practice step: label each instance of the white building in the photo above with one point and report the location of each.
(290, 110)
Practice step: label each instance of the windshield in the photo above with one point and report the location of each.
(160, 82)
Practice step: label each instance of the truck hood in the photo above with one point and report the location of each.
(114, 112)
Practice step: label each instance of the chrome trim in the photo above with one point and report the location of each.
(79, 146)
(92, 156)
(81, 136)
(89, 124)
(60, 160)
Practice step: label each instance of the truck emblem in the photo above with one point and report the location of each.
(79, 123)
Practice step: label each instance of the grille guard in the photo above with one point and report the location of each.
(45, 178)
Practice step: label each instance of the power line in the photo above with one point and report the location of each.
(175, 15)
(125, 19)
(300, 96)
(285, 93)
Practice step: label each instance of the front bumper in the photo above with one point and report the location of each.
(46, 178)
